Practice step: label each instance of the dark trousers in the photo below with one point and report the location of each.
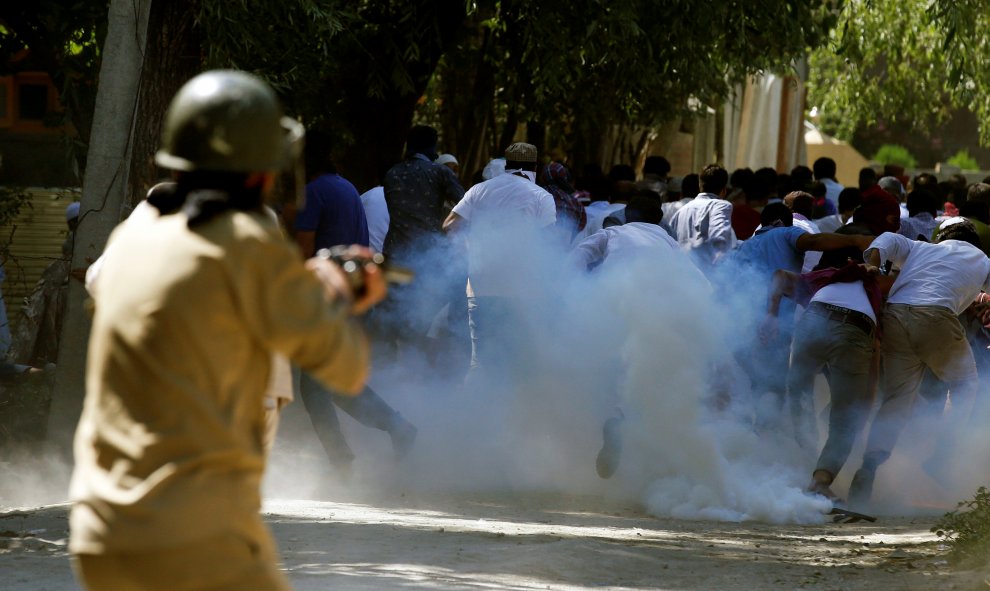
(367, 408)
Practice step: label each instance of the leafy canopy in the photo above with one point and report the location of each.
(903, 62)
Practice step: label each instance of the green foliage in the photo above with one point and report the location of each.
(894, 154)
(967, 530)
(638, 61)
(903, 63)
(581, 71)
(322, 56)
(963, 160)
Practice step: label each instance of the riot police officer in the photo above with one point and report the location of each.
(189, 309)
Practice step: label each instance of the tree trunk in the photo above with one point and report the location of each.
(380, 125)
(380, 128)
(171, 58)
(468, 101)
(536, 134)
(104, 191)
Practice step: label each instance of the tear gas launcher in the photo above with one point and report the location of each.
(352, 266)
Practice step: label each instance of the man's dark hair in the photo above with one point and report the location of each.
(776, 212)
(867, 178)
(742, 178)
(849, 199)
(588, 172)
(977, 210)
(318, 154)
(958, 180)
(690, 186)
(922, 200)
(926, 180)
(657, 165)
(785, 184)
(986, 180)
(824, 168)
(952, 193)
(622, 172)
(804, 204)
(644, 206)
(817, 189)
(422, 139)
(979, 192)
(713, 179)
(599, 187)
(964, 231)
(764, 184)
(801, 177)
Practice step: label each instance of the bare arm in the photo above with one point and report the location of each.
(827, 241)
(872, 257)
(453, 223)
(782, 284)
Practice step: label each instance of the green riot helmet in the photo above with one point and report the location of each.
(228, 121)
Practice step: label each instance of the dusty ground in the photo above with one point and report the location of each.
(535, 541)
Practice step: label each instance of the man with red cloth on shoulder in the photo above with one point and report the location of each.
(837, 331)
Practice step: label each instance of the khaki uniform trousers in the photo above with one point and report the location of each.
(225, 562)
(916, 337)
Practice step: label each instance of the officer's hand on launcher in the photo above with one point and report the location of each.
(360, 280)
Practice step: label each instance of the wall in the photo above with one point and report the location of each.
(35, 239)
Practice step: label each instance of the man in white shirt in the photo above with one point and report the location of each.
(641, 235)
(921, 330)
(596, 212)
(801, 205)
(838, 331)
(703, 227)
(501, 219)
(376, 212)
(641, 231)
(825, 173)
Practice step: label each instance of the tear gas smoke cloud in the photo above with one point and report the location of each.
(646, 333)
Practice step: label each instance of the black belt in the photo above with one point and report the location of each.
(845, 315)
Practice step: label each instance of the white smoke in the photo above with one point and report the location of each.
(647, 333)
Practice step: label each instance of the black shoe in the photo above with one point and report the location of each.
(608, 458)
(861, 488)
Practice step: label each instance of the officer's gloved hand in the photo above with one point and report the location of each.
(351, 273)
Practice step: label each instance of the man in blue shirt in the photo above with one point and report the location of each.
(778, 244)
(333, 215)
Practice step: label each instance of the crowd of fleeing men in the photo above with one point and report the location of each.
(824, 270)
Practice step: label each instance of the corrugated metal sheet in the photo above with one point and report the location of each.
(35, 239)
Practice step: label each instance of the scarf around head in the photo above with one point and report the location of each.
(556, 180)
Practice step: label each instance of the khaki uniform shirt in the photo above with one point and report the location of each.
(169, 445)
